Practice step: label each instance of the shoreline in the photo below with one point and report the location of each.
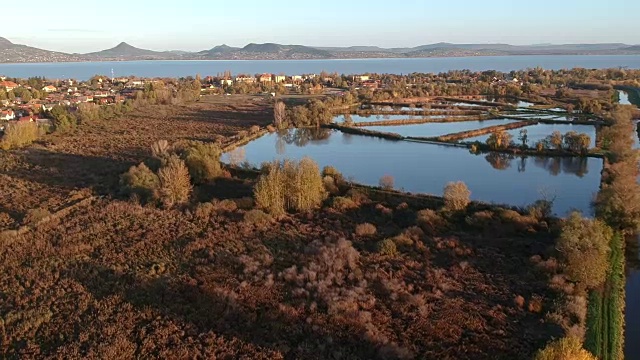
(88, 61)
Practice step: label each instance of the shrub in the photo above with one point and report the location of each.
(19, 135)
(289, 185)
(568, 348)
(584, 245)
(330, 185)
(257, 217)
(387, 247)
(359, 197)
(245, 203)
(499, 140)
(342, 203)
(204, 210)
(386, 182)
(430, 222)
(540, 209)
(225, 205)
(456, 196)
(140, 181)
(333, 172)
(160, 149)
(175, 186)
(34, 216)
(365, 229)
(203, 161)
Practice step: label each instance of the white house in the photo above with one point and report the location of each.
(7, 115)
(49, 89)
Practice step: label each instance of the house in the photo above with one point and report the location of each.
(245, 79)
(280, 78)
(49, 89)
(48, 107)
(7, 115)
(226, 82)
(361, 78)
(297, 78)
(265, 78)
(9, 85)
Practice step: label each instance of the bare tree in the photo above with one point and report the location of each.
(279, 115)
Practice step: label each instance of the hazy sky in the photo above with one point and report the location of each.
(83, 26)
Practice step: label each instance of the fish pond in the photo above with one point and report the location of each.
(426, 168)
(539, 132)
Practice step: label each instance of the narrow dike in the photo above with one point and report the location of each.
(421, 121)
(480, 132)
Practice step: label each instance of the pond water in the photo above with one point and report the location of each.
(540, 131)
(382, 117)
(425, 168)
(438, 129)
(624, 97)
(540, 116)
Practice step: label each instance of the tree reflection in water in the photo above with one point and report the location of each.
(554, 165)
(301, 137)
(499, 161)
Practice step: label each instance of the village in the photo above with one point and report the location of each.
(30, 100)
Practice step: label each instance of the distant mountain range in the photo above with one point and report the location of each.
(14, 53)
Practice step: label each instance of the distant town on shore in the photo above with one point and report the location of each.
(16, 53)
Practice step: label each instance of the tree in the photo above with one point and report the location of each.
(584, 247)
(523, 137)
(456, 196)
(568, 348)
(555, 140)
(175, 186)
(279, 114)
(499, 140)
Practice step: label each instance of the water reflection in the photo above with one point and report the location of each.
(304, 136)
(578, 166)
(553, 165)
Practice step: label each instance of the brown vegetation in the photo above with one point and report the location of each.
(456, 196)
(19, 135)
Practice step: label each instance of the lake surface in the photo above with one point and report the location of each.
(424, 168)
(388, 117)
(437, 129)
(541, 131)
(85, 70)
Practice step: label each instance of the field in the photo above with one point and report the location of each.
(109, 278)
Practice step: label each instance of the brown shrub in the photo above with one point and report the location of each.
(34, 216)
(384, 210)
(342, 203)
(333, 172)
(456, 196)
(365, 229)
(330, 185)
(257, 217)
(245, 203)
(175, 186)
(358, 196)
(225, 205)
(430, 221)
(254, 129)
(535, 304)
(204, 210)
(519, 301)
(160, 149)
(19, 135)
(386, 182)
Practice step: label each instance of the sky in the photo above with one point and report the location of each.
(194, 25)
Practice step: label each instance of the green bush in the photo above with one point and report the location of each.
(140, 181)
(257, 217)
(290, 185)
(568, 348)
(387, 247)
(19, 135)
(584, 246)
(203, 161)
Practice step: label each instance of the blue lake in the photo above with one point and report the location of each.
(85, 70)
